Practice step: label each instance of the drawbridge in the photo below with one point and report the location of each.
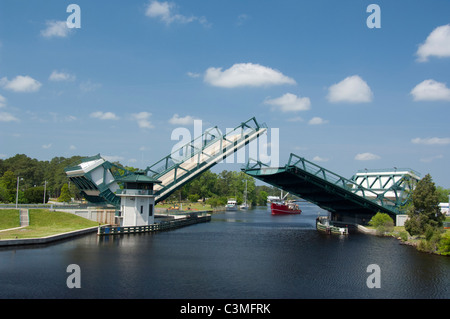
(350, 200)
(97, 179)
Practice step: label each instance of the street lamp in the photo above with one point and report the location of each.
(17, 191)
(45, 188)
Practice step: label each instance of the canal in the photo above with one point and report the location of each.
(243, 254)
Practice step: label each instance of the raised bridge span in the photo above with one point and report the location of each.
(97, 179)
(353, 200)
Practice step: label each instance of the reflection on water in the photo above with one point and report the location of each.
(240, 254)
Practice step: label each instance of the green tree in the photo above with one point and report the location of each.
(193, 198)
(9, 186)
(35, 195)
(442, 194)
(262, 198)
(382, 222)
(444, 245)
(65, 194)
(424, 211)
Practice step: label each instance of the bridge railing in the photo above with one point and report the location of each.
(342, 182)
(200, 154)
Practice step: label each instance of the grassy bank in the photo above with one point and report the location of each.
(9, 218)
(45, 223)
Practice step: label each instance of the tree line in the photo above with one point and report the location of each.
(215, 189)
(34, 177)
(424, 225)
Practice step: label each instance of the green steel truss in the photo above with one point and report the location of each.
(98, 182)
(395, 184)
(325, 188)
(96, 178)
(201, 154)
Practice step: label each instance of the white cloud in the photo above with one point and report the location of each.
(352, 89)
(142, 119)
(241, 19)
(432, 158)
(437, 44)
(61, 76)
(193, 75)
(8, 117)
(320, 159)
(104, 115)
(317, 121)
(177, 120)
(295, 119)
(2, 101)
(46, 146)
(72, 147)
(366, 157)
(245, 74)
(89, 86)
(21, 84)
(165, 11)
(431, 90)
(56, 29)
(431, 140)
(70, 118)
(289, 103)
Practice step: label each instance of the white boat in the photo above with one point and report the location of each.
(231, 204)
(245, 205)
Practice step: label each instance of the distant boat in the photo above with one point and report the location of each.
(323, 224)
(285, 208)
(231, 205)
(245, 205)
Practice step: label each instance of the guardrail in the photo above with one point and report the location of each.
(161, 226)
(135, 192)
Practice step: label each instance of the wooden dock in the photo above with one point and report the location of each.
(189, 219)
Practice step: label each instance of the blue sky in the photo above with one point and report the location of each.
(342, 95)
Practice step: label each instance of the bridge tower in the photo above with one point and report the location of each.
(137, 199)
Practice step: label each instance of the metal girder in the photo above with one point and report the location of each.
(322, 187)
(215, 147)
(96, 178)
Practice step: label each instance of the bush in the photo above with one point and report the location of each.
(382, 222)
(35, 195)
(432, 242)
(193, 198)
(404, 236)
(444, 244)
(65, 194)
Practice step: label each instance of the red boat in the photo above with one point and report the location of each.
(285, 208)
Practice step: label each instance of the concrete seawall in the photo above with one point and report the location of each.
(366, 230)
(48, 239)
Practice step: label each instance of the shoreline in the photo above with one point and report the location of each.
(413, 243)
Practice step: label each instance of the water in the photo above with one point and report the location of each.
(237, 255)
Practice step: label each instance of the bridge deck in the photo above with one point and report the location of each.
(96, 178)
(332, 192)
